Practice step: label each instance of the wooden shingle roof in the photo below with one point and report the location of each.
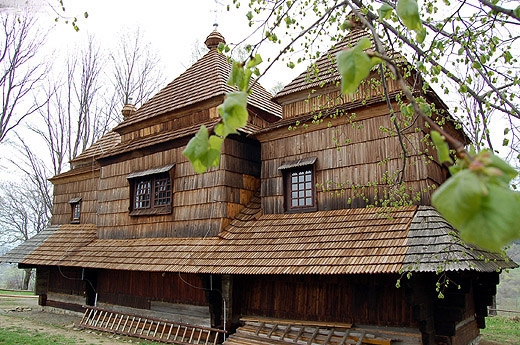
(434, 246)
(101, 146)
(53, 245)
(346, 241)
(205, 79)
(325, 65)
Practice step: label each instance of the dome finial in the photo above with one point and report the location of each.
(214, 39)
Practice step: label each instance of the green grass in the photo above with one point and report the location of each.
(15, 292)
(20, 336)
(504, 330)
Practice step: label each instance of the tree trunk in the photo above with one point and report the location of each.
(26, 278)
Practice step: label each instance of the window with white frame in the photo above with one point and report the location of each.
(299, 185)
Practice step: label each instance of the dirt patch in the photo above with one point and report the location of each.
(27, 314)
(24, 312)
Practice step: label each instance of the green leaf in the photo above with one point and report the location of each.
(443, 150)
(425, 108)
(354, 65)
(385, 11)
(236, 76)
(254, 61)
(203, 151)
(223, 131)
(420, 35)
(458, 197)
(234, 110)
(508, 172)
(408, 11)
(479, 203)
(493, 226)
(517, 11)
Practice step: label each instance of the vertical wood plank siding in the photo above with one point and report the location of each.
(84, 186)
(202, 203)
(137, 289)
(350, 154)
(66, 280)
(330, 96)
(359, 299)
(170, 122)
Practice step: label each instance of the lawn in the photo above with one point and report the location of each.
(16, 292)
(504, 330)
(21, 336)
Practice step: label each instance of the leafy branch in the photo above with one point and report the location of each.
(477, 199)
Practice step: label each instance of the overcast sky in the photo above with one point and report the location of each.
(172, 27)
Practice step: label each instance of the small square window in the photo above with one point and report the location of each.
(299, 186)
(151, 191)
(300, 190)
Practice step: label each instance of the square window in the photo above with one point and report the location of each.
(151, 191)
(300, 189)
(299, 185)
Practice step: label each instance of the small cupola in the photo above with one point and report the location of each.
(128, 109)
(214, 39)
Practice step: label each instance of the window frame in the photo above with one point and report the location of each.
(151, 178)
(288, 170)
(75, 210)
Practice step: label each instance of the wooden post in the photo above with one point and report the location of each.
(227, 294)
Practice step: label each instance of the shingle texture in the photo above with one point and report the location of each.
(104, 144)
(205, 79)
(347, 241)
(326, 65)
(433, 245)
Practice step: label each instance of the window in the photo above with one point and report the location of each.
(299, 185)
(151, 191)
(75, 206)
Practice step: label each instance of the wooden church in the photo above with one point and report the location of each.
(304, 234)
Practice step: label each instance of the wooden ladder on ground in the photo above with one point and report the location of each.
(256, 332)
(149, 328)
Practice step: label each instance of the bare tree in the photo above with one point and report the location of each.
(71, 116)
(20, 70)
(136, 72)
(25, 206)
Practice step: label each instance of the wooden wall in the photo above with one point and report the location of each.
(453, 319)
(137, 289)
(83, 185)
(329, 96)
(66, 280)
(202, 203)
(350, 153)
(359, 299)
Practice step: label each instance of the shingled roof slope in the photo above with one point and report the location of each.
(52, 245)
(325, 65)
(346, 241)
(205, 79)
(101, 146)
(434, 246)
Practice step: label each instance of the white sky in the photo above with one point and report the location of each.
(172, 27)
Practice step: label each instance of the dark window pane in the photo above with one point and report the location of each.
(153, 191)
(76, 211)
